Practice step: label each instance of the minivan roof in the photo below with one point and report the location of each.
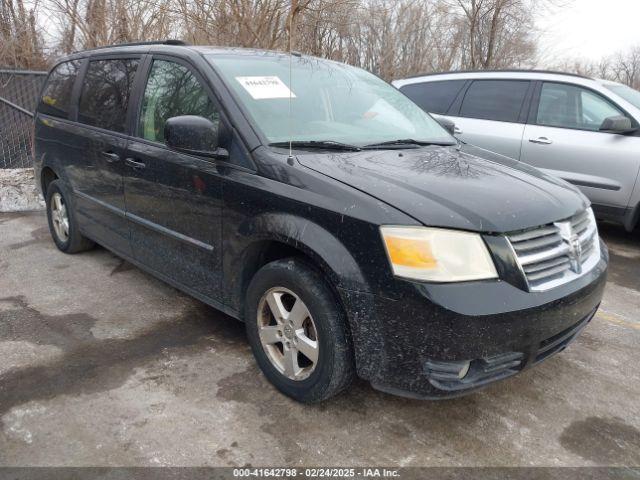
(168, 41)
(172, 46)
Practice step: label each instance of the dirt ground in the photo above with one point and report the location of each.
(101, 364)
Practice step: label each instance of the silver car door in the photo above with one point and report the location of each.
(500, 137)
(563, 140)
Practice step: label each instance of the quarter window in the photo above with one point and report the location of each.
(570, 106)
(105, 93)
(499, 100)
(56, 96)
(434, 97)
(172, 90)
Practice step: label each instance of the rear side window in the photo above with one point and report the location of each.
(56, 95)
(434, 97)
(172, 90)
(499, 100)
(105, 93)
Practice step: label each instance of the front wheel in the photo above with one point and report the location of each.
(298, 331)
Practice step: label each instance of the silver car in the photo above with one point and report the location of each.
(583, 130)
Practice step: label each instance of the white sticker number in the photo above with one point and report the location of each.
(265, 87)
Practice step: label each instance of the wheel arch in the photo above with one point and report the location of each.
(270, 237)
(47, 175)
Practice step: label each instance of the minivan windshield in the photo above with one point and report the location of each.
(629, 94)
(330, 102)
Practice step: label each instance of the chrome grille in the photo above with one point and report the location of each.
(557, 253)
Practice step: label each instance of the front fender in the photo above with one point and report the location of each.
(326, 251)
(302, 234)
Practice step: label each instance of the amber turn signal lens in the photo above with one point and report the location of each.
(410, 253)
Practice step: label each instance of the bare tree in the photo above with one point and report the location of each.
(496, 33)
(93, 23)
(21, 45)
(391, 38)
(625, 67)
(242, 23)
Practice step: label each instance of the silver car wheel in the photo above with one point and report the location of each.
(59, 217)
(287, 333)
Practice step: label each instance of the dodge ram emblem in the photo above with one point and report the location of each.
(575, 253)
(573, 242)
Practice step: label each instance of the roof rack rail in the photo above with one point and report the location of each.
(506, 70)
(168, 41)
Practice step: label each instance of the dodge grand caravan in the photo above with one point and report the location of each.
(323, 208)
(583, 130)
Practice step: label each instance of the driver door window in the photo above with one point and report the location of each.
(568, 106)
(172, 90)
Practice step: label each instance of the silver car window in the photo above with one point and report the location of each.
(570, 106)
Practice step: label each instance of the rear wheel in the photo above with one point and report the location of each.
(62, 221)
(297, 331)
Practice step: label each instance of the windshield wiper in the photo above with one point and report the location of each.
(319, 144)
(406, 141)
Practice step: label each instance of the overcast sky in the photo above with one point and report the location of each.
(588, 29)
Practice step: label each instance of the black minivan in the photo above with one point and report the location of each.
(348, 229)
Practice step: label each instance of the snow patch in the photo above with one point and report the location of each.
(18, 191)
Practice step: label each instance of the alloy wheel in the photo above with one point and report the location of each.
(287, 333)
(59, 217)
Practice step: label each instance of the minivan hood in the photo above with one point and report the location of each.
(445, 187)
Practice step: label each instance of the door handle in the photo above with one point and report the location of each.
(111, 157)
(130, 162)
(457, 131)
(541, 140)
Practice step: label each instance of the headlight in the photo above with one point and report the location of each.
(437, 254)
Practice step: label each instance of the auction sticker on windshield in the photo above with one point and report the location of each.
(265, 87)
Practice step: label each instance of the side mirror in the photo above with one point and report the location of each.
(617, 124)
(193, 135)
(447, 124)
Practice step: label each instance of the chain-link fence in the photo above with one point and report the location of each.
(18, 96)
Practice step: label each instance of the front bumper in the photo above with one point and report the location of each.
(417, 341)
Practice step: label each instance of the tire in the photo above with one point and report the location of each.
(294, 281)
(73, 241)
